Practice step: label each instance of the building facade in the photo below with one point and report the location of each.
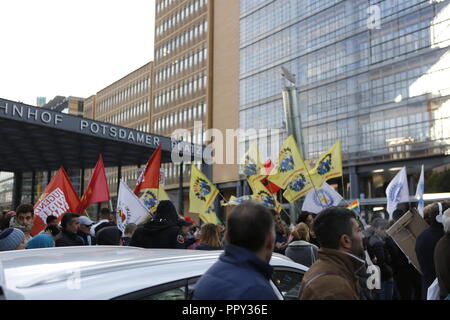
(182, 75)
(127, 103)
(369, 73)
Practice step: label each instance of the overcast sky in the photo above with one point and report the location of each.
(71, 47)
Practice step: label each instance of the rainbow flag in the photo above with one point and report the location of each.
(354, 206)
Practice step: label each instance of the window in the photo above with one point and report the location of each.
(177, 290)
(288, 282)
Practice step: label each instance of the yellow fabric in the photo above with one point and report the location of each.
(328, 166)
(150, 197)
(201, 192)
(261, 194)
(210, 216)
(252, 166)
(291, 168)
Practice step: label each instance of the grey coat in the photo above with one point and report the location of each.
(302, 252)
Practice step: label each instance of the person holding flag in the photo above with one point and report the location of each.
(97, 190)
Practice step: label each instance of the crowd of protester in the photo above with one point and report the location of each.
(336, 245)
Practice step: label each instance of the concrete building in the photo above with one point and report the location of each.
(125, 102)
(375, 81)
(196, 78)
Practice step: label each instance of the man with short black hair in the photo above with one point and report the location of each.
(243, 270)
(51, 221)
(70, 224)
(23, 220)
(334, 275)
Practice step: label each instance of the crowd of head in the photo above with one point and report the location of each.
(337, 245)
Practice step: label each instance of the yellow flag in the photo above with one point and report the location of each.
(299, 186)
(328, 166)
(252, 166)
(201, 192)
(209, 216)
(151, 197)
(163, 194)
(261, 194)
(291, 168)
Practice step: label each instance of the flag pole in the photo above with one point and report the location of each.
(343, 185)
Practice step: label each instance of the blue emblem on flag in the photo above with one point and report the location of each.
(323, 198)
(286, 160)
(325, 165)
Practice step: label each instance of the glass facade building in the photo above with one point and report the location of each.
(373, 74)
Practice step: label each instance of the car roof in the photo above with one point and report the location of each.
(122, 269)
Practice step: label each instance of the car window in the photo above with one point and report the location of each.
(177, 290)
(288, 282)
(171, 294)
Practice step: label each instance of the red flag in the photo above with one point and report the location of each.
(97, 190)
(149, 178)
(272, 187)
(58, 198)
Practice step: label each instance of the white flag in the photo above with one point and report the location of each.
(325, 197)
(397, 191)
(130, 209)
(420, 191)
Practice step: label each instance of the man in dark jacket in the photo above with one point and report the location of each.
(426, 242)
(160, 232)
(70, 224)
(243, 271)
(334, 275)
(442, 258)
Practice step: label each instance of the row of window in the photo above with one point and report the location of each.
(136, 111)
(180, 117)
(180, 15)
(181, 65)
(125, 94)
(190, 35)
(164, 4)
(181, 90)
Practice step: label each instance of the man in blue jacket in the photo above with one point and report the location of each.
(242, 271)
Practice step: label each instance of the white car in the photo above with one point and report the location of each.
(110, 272)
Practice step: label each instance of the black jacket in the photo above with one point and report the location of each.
(380, 256)
(442, 262)
(425, 244)
(66, 239)
(160, 232)
(85, 238)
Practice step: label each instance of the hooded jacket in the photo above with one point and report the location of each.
(442, 264)
(160, 232)
(332, 277)
(425, 245)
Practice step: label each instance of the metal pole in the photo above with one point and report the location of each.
(82, 181)
(17, 190)
(180, 191)
(33, 189)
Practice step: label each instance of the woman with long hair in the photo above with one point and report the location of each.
(209, 238)
(300, 250)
